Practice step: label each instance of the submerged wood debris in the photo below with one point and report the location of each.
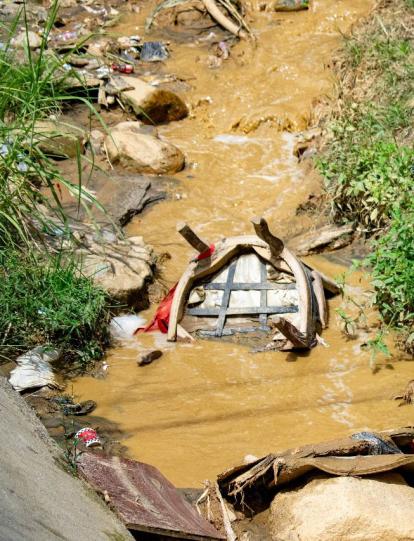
(250, 284)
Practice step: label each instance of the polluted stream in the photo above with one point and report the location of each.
(204, 406)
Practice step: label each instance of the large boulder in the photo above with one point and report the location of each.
(153, 104)
(379, 508)
(130, 145)
(123, 268)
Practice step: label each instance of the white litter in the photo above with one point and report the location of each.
(34, 369)
(123, 327)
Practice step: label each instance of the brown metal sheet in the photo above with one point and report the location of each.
(143, 498)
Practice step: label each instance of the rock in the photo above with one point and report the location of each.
(378, 508)
(22, 40)
(149, 356)
(153, 104)
(123, 269)
(59, 139)
(96, 141)
(33, 369)
(133, 149)
(329, 237)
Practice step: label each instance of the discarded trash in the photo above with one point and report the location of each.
(153, 51)
(34, 370)
(247, 284)
(68, 407)
(123, 68)
(88, 436)
(149, 357)
(144, 499)
(67, 36)
(290, 5)
(379, 446)
(122, 327)
(248, 486)
(103, 72)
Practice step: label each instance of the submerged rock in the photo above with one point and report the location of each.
(148, 357)
(130, 145)
(378, 508)
(153, 104)
(122, 268)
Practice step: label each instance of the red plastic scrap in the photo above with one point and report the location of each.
(143, 498)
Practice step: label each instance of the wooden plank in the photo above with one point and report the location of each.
(263, 294)
(298, 339)
(242, 311)
(262, 231)
(192, 238)
(250, 286)
(226, 298)
(320, 298)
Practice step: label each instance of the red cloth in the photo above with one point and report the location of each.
(162, 315)
(206, 253)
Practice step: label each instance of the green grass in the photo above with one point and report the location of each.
(47, 301)
(368, 161)
(45, 298)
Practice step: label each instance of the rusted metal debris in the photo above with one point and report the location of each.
(144, 499)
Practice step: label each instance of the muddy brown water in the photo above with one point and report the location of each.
(202, 407)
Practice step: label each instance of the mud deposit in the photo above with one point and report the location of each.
(203, 407)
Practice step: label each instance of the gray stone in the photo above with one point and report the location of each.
(60, 139)
(149, 356)
(123, 269)
(130, 145)
(379, 508)
(153, 104)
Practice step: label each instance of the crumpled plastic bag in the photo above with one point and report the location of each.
(33, 369)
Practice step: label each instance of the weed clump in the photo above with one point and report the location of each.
(46, 300)
(368, 160)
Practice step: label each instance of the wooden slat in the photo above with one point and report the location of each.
(221, 320)
(242, 311)
(250, 286)
(263, 293)
(191, 237)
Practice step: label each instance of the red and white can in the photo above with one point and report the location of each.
(88, 436)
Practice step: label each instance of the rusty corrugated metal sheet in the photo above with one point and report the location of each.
(144, 499)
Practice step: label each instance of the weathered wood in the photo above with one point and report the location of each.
(177, 305)
(298, 339)
(263, 294)
(262, 231)
(251, 286)
(223, 310)
(242, 311)
(320, 298)
(183, 335)
(192, 238)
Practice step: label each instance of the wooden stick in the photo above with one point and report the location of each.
(320, 298)
(288, 330)
(192, 239)
(263, 232)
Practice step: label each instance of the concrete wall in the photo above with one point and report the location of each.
(39, 500)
